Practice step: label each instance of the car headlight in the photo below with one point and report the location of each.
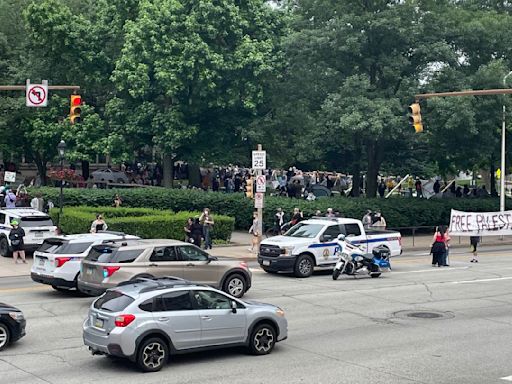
(279, 312)
(17, 316)
(287, 251)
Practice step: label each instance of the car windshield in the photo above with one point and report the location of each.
(305, 230)
(40, 221)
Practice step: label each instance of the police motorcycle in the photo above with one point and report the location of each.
(353, 261)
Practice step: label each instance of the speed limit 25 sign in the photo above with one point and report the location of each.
(259, 160)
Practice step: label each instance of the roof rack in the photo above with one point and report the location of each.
(157, 283)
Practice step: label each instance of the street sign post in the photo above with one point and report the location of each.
(261, 183)
(36, 95)
(259, 200)
(259, 160)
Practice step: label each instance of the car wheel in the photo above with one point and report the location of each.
(304, 266)
(153, 354)
(336, 273)
(4, 247)
(235, 285)
(263, 339)
(5, 336)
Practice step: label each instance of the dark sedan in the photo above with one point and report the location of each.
(12, 325)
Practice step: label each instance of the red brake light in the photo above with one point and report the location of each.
(124, 320)
(60, 261)
(109, 271)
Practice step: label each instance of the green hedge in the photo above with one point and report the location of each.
(143, 222)
(398, 212)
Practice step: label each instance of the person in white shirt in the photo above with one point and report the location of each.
(37, 202)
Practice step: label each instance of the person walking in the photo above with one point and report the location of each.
(16, 236)
(254, 231)
(10, 198)
(37, 202)
(439, 247)
(278, 221)
(188, 230)
(207, 222)
(419, 188)
(98, 225)
(196, 232)
(367, 219)
(410, 185)
(474, 240)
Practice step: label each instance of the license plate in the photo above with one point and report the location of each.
(266, 262)
(98, 323)
(41, 262)
(88, 271)
(38, 234)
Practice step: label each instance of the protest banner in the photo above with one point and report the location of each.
(480, 223)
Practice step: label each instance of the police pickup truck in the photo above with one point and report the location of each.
(313, 243)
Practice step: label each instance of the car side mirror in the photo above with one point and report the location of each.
(341, 237)
(212, 258)
(234, 306)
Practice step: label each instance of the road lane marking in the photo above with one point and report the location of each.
(507, 378)
(432, 269)
(482, 281)
(24, 289)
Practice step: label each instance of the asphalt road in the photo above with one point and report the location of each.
(345, 331)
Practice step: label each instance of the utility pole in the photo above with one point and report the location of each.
(259, 164)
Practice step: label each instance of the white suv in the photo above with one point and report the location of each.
(57, 261)
(37, 225)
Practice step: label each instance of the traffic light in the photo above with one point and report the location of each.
(415, 117)
(75, 109)
(249, 191)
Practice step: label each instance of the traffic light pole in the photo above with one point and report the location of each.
(484, 92)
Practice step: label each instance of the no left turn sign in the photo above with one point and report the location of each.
(37, 95)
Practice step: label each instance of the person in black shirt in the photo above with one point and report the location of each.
(16, 236)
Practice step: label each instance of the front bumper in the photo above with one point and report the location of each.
(18, 329)
(53, 281)
(277, 264)
(91, 289)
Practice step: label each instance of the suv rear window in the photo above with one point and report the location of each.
(41, 221)
(113, 301)
(106, 254)
(59, 247)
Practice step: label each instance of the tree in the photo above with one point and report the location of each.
(187, 64)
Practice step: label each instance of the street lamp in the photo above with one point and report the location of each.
(61, 148)
(502, 186)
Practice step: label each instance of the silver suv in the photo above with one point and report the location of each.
(147, 320)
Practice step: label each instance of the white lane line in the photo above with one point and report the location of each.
(482, 281)
(507, 378)
(433, 269)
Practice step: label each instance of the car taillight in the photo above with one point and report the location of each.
(109, 271)
(60, 261)
(243, 265)
(124, 320)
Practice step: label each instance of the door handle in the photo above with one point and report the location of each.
(206, 318)
(163, 318)
(190, 265)
(153, 265)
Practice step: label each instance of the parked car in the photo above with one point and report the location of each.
(313, 243)
(57, 261)
(12, 325)
(37, 225)
(146, 321)
(109, 176)
(107, 265)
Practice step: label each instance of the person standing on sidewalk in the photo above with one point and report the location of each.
(474, 240)
(254, 231)
(207, 222)
(439, 247)
(16, 236)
